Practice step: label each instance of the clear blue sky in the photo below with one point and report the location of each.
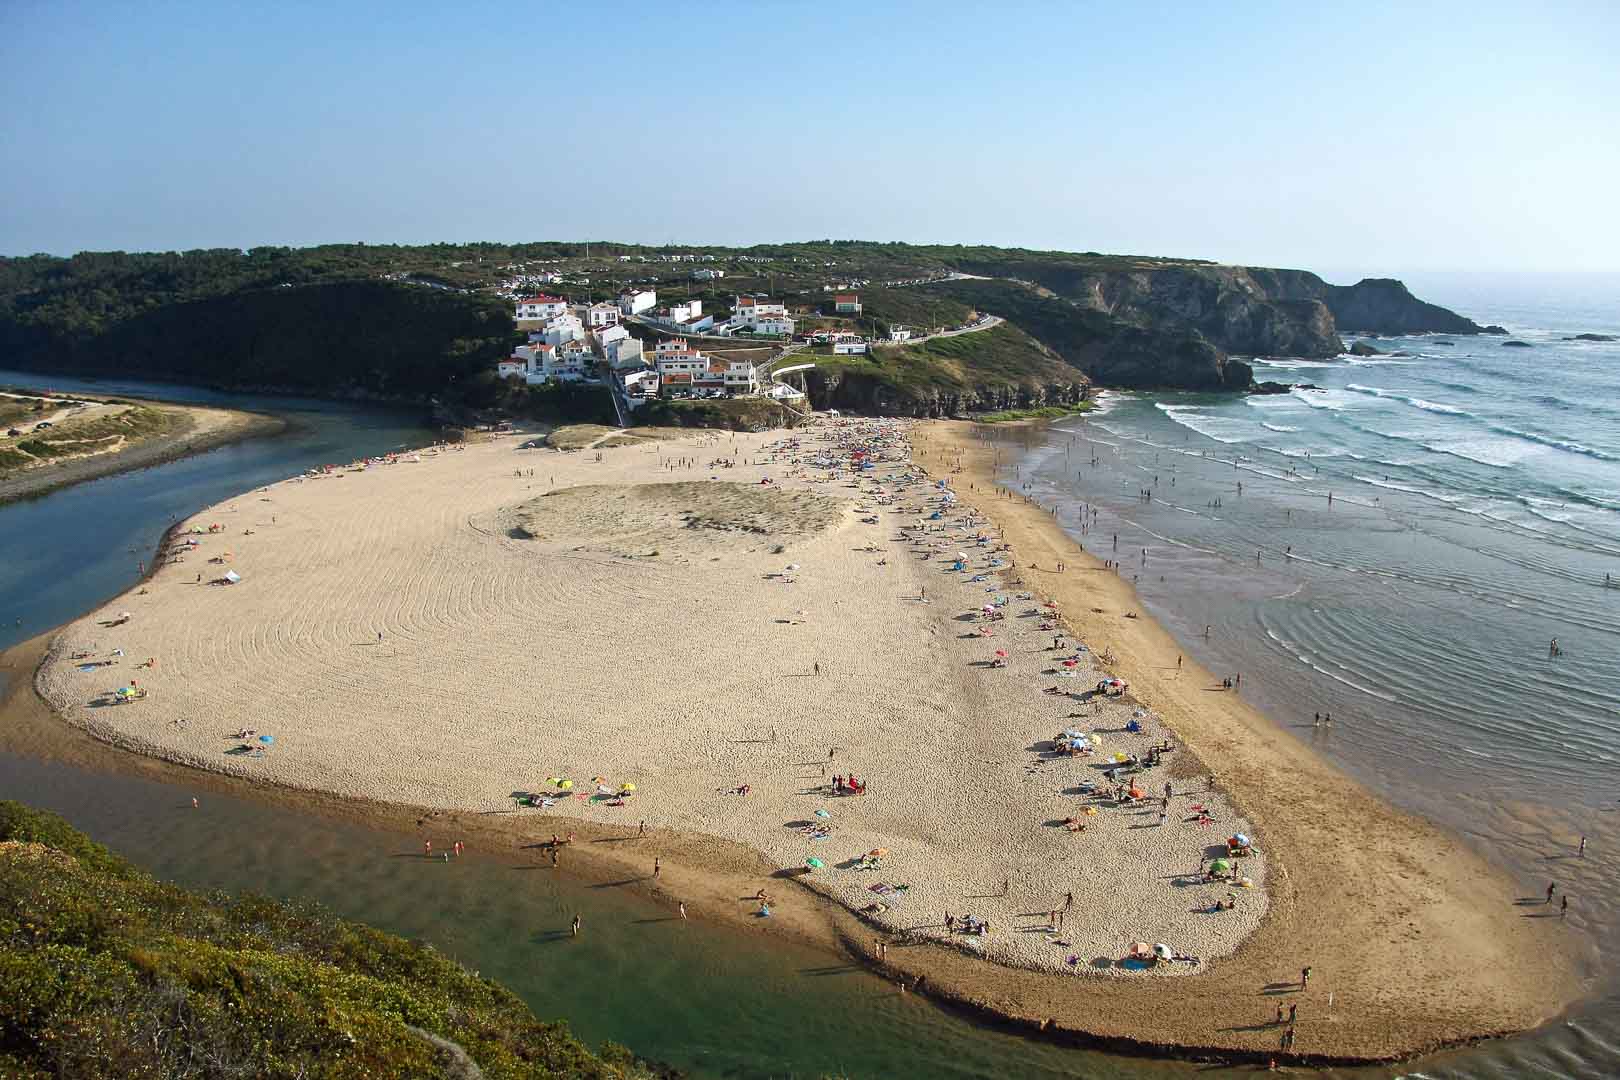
(1406, 137)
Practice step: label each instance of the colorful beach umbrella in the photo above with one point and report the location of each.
(814, 863)
(822, 813)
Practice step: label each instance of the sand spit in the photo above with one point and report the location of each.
(434, 632)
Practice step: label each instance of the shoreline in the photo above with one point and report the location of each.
(204, 428)
(710, 870)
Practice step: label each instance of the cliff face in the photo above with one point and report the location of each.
(1143, 359)
(1236, 309)
(1225, 304)
(1384, 306)
(868, 392)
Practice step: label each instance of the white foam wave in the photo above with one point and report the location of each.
(1410, 489)
(1284, 428)
(1415, 402)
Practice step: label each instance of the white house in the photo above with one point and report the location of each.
(742, 377)
(635, 301)
(849, 348)
(603, 315)
(707, 274)
(899, 333)
(541, 307)
(643, 383)
(563, 328)
(773, 324)
(686, 312)
(511, 368)
(747, 308)
(678, 363)
(624, 352)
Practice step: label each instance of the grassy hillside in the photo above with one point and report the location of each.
(105, 972)
(998, 368)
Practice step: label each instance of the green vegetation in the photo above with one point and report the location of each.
(81, 435)
(1048, 412)
(105, 972)
(16, 411)
(1001, 358)
(734, 414)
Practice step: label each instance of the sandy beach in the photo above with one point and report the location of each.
(461, 630)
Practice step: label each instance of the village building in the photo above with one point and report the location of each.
(847, 303)
(847, 347)
(533, 308)
(748, 308)
(562, 328)
(899, 333)
(602, 315)
(635, 301)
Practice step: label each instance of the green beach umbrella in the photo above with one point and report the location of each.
(814, 863)
(1219, 865)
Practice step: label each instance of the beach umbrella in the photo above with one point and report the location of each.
(565, 784)
(822, 813)
(1219, 866)
(627, 787)
(1163, 952)
(878, 852)
(1001, 652)
(267, 739)
(814, 863)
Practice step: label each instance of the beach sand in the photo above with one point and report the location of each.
(582, 623)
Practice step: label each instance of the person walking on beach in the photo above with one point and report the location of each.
(1563, 906)
(1582, 852)
(1293, 1011)
(1304, 976)
(576, 926)
(427, 849)
(641, 830)
(1552, 886)
(818, 667)
(1279, 1014)
(681, 907)
(658, 867)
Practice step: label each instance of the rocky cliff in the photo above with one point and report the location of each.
(1176, 324)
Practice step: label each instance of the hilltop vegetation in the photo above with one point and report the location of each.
(425, 322)
(1002, 367)
(105, 972)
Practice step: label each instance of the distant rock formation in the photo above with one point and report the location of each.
(1362, 348)
(1515, 345)
(1592, 337)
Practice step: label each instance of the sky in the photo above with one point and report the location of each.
(1387, 137)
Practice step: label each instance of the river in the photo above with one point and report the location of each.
(707, 1000)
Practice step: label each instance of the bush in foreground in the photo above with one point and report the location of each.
(106, 972)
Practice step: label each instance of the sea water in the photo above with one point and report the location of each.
(1400, 548)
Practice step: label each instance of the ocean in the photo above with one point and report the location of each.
(1400, 549)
